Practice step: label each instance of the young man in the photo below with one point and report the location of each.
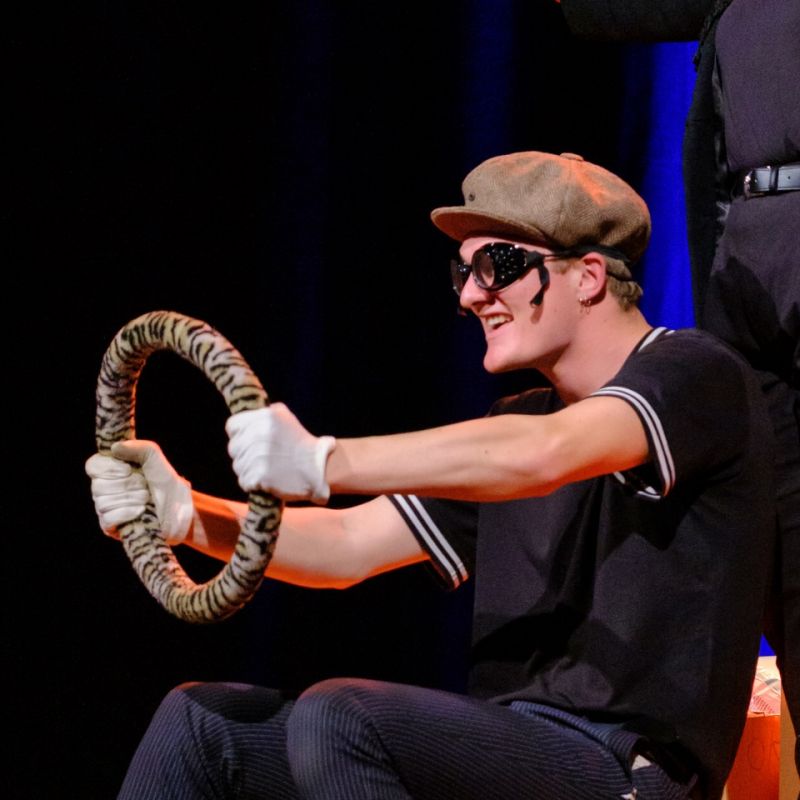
(619, 526)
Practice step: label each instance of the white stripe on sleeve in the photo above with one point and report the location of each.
(432, 539)
(664, 461)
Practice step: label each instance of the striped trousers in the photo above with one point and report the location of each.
(344, 739)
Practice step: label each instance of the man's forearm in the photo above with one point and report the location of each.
(316, 547)
(496, 458)
(470, 460)
(307, 551)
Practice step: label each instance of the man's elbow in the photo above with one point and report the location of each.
(544, 467)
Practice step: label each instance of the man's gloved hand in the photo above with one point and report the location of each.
(273, 452)
(120, 492)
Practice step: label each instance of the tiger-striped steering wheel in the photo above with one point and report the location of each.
(151, 556)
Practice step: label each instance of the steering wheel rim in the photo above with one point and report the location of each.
(152, 558)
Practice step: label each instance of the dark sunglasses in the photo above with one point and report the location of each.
(499, 264)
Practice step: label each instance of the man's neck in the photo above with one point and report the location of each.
(604, 341)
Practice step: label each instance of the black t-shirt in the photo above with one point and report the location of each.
(637, 597)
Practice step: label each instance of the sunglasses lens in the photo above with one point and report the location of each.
(498, 265)
(483, 268)
(458, 274)
(493, 267)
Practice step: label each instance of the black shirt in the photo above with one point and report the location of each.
(634, 598)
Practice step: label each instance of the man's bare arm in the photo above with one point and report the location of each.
(497, 458)
(317, 547)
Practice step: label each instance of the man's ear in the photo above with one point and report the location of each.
(592, 281)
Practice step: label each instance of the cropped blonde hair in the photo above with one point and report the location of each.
(621, 283)
(619, 279)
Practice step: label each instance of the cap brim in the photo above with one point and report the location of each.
(460, 223)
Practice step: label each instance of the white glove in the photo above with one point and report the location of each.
(120, 492)
(273, 452)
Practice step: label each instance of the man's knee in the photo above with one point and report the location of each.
(167, 756)
(175, 717)
(200, 716)
(329, 723)
(325, 708)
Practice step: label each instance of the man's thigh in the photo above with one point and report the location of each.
(442, 745)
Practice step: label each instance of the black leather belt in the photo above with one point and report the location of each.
(770, 180)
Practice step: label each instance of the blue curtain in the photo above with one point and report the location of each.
(657, 91)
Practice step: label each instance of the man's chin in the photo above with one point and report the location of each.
(496, 366)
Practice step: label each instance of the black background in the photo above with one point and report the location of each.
(270, 169)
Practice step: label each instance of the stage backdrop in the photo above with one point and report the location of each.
(269, 168)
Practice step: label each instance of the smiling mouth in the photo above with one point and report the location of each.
(496, 321)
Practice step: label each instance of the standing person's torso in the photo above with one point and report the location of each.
(758, 58)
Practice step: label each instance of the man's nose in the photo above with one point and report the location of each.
(472, 294)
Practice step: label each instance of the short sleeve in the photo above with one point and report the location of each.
(446, 530)
(691, 392)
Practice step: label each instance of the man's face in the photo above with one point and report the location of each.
(520, 335)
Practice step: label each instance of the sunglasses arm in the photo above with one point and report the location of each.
(544, 280)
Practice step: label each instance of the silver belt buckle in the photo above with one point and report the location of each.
(747, 186)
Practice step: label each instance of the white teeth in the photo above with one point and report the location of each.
(496, 321)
